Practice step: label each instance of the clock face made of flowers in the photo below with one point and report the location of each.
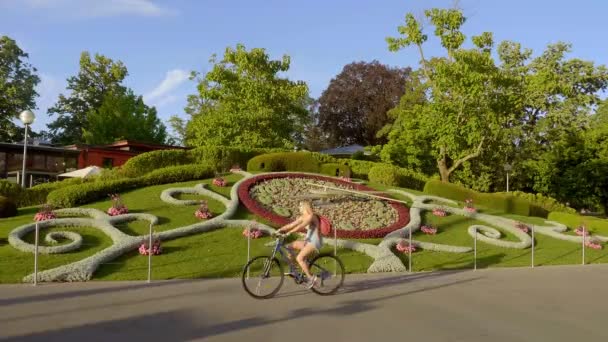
(276, 197)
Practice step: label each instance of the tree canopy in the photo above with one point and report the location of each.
(18, 82)
(244, 101)
(354, 106)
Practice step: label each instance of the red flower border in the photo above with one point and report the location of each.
(403, 213)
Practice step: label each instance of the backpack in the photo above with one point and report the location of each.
(324, 225)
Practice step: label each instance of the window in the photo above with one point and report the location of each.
(108, 163)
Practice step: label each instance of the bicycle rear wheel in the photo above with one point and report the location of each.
(262, 277)
(330, 274)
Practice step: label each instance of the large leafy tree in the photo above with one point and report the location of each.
(354, 106)
(123, 116)
(244, 101)
(96, 78)
(18, 81)
(467, 98)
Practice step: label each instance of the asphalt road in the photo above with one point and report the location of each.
(562, 303)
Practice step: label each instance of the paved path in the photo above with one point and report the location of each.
(563, 303)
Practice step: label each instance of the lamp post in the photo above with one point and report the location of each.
(508, 168)
(27, 117)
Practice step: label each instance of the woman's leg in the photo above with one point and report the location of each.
(296, 245)
(304, 252)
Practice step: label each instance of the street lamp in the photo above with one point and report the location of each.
(508, 168)
(27, 117)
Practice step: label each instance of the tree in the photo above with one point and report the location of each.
(243, 101)
(354, 106)
(314, 137)
(18, 81)
(178, 125)
(123, 116)
(95, 79)
(467, 97)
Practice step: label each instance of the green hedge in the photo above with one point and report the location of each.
(331, 168)
(394, 176)
(359, 168)
(541, 205)
(9, 189)
(8, 208)
(37, 194)
(146, 162)
(284, 161)
(222, 158)
(323, 158)
(596, 225)
(80, 194)
(501, 202)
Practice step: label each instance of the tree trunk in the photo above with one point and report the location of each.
(444, 172)
(442, 164)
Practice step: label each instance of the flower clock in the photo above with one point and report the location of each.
(117, 208)
(45, 213)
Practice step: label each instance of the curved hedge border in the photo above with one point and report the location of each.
(403, 215)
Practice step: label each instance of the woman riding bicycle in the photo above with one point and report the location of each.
(311, 243)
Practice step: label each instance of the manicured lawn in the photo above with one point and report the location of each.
(223, 252)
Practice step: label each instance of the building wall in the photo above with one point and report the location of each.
(93, 157)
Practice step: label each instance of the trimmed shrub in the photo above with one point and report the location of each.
(8, 208)
(541, 205)
(359, 168)
(501, 202)
(387, 174)
(596, 225)
(80, 194)
(283, 161)
(323, 158)
(335, 170)
(146, 162)
(9, 189)
(222, 158)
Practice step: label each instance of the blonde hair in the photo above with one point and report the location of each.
(307, 206)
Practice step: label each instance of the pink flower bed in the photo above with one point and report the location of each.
(346, 179)
(253, 233)
(219, 182)
(468, 207)
(440, 212)
(156, 248)
(403, 214)
(582, 230)
(235, 168)
(593, 244)
(404, 247)
(523, 227)
(46, 213)
(203, 211)
(428, 229)
(117, 207)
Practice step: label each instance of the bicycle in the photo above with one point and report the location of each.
(328, 268)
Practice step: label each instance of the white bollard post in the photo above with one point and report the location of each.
(410, 252)
(475, 252)
(248, 246)
(150, 255)
(532, 246)
(583, 245)
(36, 255)
(335, 250)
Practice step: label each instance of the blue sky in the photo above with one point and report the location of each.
(161, 41)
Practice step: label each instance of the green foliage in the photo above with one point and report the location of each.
(123, 115)
(501, 202)
(75, 195)
(541, 205)
(331, 169)
(146, 162)
(9, 189)
(359, 155)
(37, 194)
(87, 91)
(359, 168)
(7, 207)
(386, 174)
(222, 158)
(242, 101)
(283, 161)
(18, 82)
(594, 224)
(323, 158)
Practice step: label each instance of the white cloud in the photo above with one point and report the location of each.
(161, 95)
(100, 8)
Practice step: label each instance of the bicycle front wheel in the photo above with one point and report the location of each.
(330, 274)
(262, 277)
